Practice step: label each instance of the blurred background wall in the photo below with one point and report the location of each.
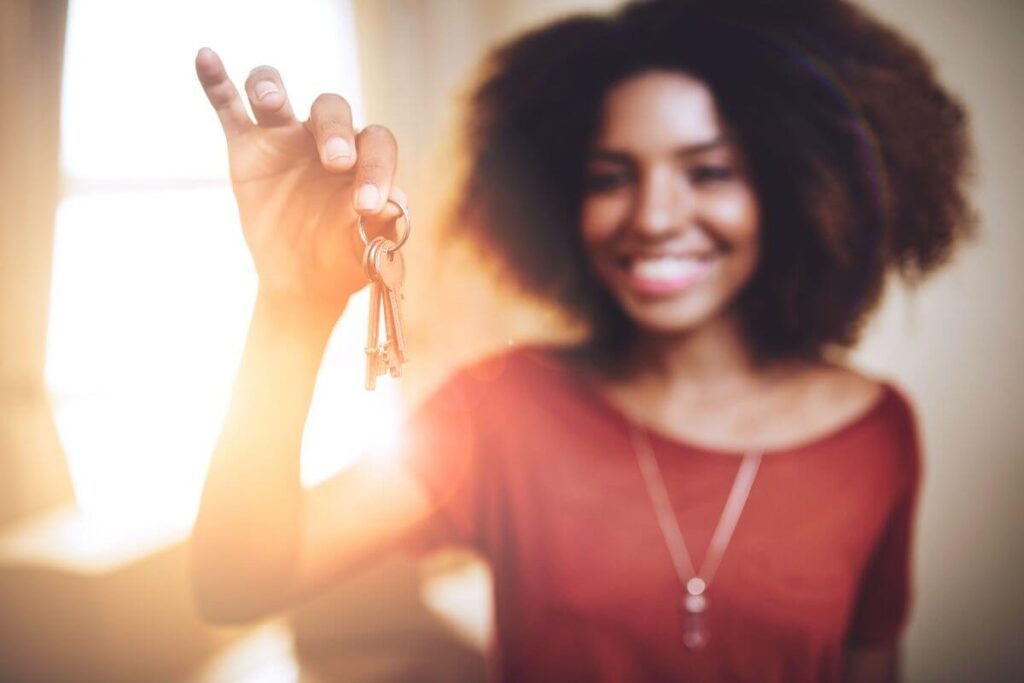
(33, 474)
(955, 344)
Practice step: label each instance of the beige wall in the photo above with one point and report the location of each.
(33, 475)
(955, 345)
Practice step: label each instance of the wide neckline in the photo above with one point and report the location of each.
(590, 391)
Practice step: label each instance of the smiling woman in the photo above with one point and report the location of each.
(814, 94)
(701, 489)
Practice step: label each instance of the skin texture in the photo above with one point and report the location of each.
(263, 546)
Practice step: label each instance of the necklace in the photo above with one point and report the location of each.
(694, 604)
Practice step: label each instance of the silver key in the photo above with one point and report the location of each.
(390, 266)
(377, 361)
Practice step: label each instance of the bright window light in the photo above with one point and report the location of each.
(132, 107)
(152, 284)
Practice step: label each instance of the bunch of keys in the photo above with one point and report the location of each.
(384, 265)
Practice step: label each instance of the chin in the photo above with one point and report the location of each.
(668, 317)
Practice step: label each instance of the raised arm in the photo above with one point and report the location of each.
(261, 541)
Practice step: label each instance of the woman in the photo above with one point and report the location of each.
(702, 490)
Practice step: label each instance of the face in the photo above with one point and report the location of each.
(670, 218)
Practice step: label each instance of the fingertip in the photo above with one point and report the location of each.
(268, 95)
(206, 56)
(338, 154)
(368, 199)
(397, 195)
(390, 213)
(394, 207)
(208, 64)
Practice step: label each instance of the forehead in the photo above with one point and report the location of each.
(658, 110)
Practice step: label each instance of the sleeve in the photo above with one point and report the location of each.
(884, 598)
(443, 453)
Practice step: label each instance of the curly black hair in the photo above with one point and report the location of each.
(858, 154)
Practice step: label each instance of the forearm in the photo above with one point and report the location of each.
(246, 536)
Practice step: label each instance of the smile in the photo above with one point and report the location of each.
(665, 274)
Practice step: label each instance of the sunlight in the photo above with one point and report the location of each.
(131, 105)
(152, 284)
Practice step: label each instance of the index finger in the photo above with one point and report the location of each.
(222, 93)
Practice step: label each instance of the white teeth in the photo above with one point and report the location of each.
(666, 267)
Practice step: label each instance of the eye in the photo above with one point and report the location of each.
(606, 181)
(705, 173)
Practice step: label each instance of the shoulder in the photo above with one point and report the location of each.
(847, 393)
(842, 389)
(510, 376)
(878, 408)
(499, 404)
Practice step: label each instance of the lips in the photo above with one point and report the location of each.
(665, 274)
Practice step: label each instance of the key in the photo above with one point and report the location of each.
(390, 267)
(369, 251)
(373, 354)
(376, 356)
(385, 268)
(375, 362)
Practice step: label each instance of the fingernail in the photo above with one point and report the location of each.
(264, 88)
(337, 148)
(368, 197)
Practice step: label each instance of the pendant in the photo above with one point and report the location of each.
(694, 608)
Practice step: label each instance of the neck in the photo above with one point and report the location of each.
(713, 360)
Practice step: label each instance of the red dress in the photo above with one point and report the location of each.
(529, 466)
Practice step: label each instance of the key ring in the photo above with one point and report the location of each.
(405, 217)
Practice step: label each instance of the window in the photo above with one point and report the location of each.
(152, 284)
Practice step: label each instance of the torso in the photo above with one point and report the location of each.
(551, 494)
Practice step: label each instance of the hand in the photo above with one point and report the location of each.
(300, 187)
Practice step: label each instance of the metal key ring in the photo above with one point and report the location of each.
(405, 217)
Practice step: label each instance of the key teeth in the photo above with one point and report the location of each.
(378, 362)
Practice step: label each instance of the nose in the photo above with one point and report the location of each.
(662, 207)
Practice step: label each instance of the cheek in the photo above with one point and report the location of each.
(737, 216)
(601, 217)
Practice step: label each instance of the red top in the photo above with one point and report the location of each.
(532, 468)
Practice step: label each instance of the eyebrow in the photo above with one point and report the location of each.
(602, 154)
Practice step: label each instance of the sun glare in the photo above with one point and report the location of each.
(152, 284)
